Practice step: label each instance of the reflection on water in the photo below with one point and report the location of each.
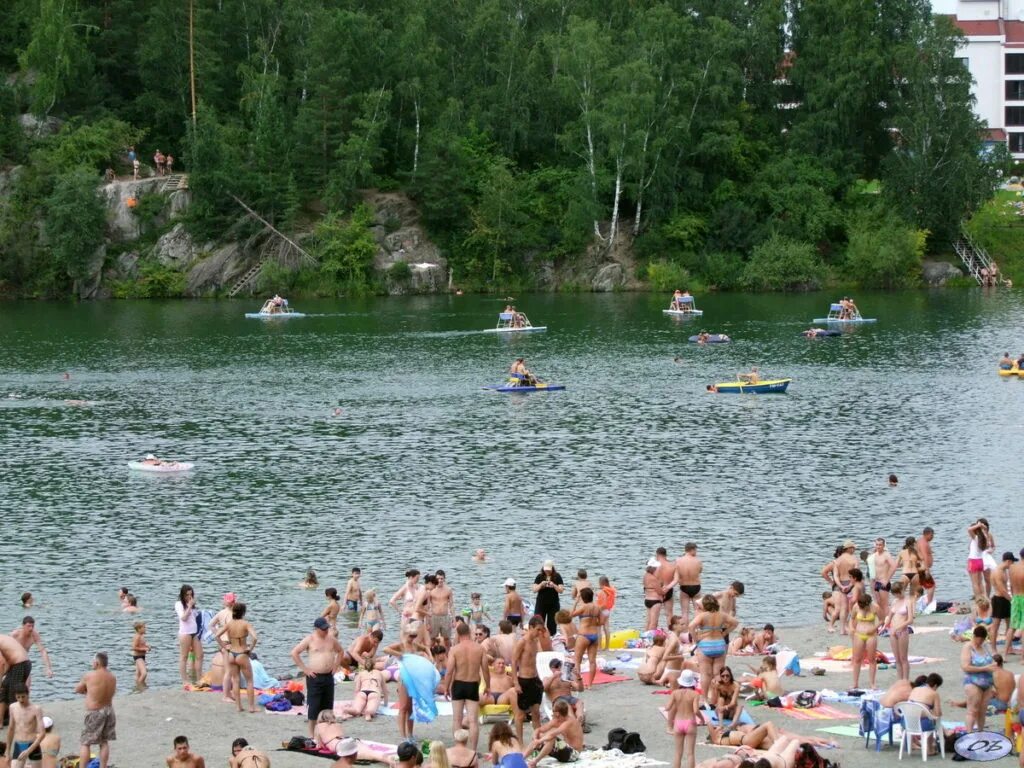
(422, 467)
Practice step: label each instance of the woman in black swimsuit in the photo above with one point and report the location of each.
(460, 755)
(548, 586)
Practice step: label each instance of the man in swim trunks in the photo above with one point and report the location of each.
(884, 567)
(353, 592)
(183, 756)
(560, 738)
(467, 667)
(322, 650)
(529, 689)
(1016, 573)
(28, 636)
(1003, 683)
(688, 568)
(363, 649)
(244, 756)
(442, 609)
(559, 689)
(923, 545)
(666, 572)
(17, 669)
(1001, 601)
(26, 730)
(99, 687)
(1006, 363)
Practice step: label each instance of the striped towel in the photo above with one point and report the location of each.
(820, 712)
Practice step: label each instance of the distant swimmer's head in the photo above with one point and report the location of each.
(150, 457)
(893, 481)
(26, 600)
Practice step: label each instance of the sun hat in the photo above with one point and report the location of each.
(549, 564)
(47, 722)
(510, 582)
(347, 747)
(229, 597)
(321, 623)
(687, 679)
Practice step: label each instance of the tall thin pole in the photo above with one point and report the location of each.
(192, 56)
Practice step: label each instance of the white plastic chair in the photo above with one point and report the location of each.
(911, 714)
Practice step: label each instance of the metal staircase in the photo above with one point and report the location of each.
(974, 257)
(247, 279)
(174, 182)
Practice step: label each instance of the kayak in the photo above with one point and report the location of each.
(273, 315)
(847, 320)
(713, 338)
(775, 386)
(170, 466)
(821, 334)
(539, 387)
(524, 329)
(683, 312)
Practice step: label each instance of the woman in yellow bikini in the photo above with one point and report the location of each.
(864, 630)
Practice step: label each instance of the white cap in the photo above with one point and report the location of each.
(687, 679)
(549, 564)
(652, 563)
(47, 722)
(510, 582)
(150, 457)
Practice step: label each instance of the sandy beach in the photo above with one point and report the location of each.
(148, 721)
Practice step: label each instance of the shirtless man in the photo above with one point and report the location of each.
(28, 636)
(99, 687)
(666, 573)
(1016, 574)
(16, 669)
(183, 757)
(1001, 601)
(562, 736)
(322, 651)
(467, 666)
(924, 554)
(442, 609)
(841, 568)
(885, 567)
(218, 624)
(26, 730)
(503, 645)
(423, 609)
(513, 610)
(364, 648)
(244, 756)
(687, 576)
(529, 689)
(557, 688)
(1003, 683)
(727, 597)
(353, 592)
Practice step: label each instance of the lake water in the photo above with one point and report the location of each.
(422, 467)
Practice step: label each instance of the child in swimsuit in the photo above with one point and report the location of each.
(50, 745)
(683, 718)
(477, 612)
(139, 650)
(371, 617)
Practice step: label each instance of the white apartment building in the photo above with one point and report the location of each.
(994, 54)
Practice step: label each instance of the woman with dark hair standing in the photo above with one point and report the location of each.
(980, 541)
(189, 633)
(548, 586)
(234, 640)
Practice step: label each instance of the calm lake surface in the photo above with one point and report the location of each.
(422, 467)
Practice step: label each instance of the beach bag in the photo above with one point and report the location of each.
(806, 700)
(632, 744)
(279, 704)
(295, 698)
(615, 738)
(300, 744)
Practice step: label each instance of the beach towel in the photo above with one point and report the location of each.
(368, 750)
(820, 712)
(603, 678)
(606, 758)
(420, 678)
(712, 717)
(444, 709)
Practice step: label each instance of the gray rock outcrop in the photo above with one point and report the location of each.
(122, 223)
(175, 249)
(401, 238)
(936, 273)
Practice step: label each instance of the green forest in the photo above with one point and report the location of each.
(726, 144)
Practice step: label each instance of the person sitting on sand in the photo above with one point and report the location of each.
(768, 682)
(371, 692)
(561, 737)
(647, 671)
(183, 756)
(559, 689)
(503, 688)
(1006, 363)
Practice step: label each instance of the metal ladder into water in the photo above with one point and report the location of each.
(974, 257)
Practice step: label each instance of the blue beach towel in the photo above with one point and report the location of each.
(420, 678)
(712, 717)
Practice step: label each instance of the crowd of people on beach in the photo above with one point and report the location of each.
(546, 645)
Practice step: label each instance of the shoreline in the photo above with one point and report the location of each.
(148, 721)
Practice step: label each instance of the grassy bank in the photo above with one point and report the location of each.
(999, 227)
